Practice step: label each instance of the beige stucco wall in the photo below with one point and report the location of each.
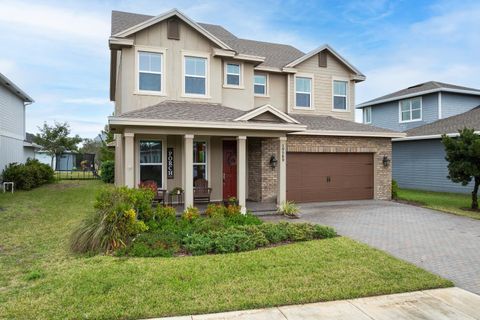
(191, 42)
(323, 87)
(277, 92)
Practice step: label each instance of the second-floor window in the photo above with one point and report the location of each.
(150, 71)
(195, 75)
(303, 92)
(411, 110)
(367, 115)
(260, 84)
(340, 95)
(233, 74)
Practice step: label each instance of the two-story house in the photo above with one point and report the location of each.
(15, 144)
(424, 112)
(258, 121)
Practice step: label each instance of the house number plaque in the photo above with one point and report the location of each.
(170, 162)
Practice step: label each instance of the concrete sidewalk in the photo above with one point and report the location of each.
(437, 304)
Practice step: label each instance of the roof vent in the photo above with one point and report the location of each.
(173, 29)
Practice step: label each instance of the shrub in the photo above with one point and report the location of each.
(114, 221)
(232, 210)
(191, 213)
(215, 210)
(324, 232)
(274, 233)
(394, 190)
(165, 212)
(198, 244)
(289, 209)
(107, 171)
(30, 175)
(242, 219)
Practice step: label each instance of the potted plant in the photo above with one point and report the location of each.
(177, 190)
(289, 209)
(231, 201)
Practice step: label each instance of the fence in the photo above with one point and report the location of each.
(76, 175)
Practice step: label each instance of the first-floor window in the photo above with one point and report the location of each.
(199, 160)
(151, 164)
(303, 92)
(367, 115)
(340, 95)
(195, 75)
(260, 84)
(411, 109)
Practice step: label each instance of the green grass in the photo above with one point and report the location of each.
(40, 279)
(442, 201)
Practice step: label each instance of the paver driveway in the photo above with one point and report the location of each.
(442, 243)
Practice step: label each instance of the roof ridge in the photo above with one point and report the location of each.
(267, 42)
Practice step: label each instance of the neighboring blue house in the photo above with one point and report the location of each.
(424, 112)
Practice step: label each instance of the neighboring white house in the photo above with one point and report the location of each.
(14, 145)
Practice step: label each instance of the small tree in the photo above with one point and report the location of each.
(463, 156)
(106, 153)
(55, 139)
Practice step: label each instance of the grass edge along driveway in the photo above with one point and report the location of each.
(40, 279)
(454, 203)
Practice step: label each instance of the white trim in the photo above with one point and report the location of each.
(360, 76)
(312, 88)
(120, 42)
(268, 69)
(163, 140)
(347, 95)
(9, 85)
(166, 15)
(368, 110)
(439, 105)
(431, 136)
(421, 93)
(266, 108)
(240, 75)
(205, 124)
(149, 49)
(350, 133)
(196, 54)
(267, 84)
(411, 111)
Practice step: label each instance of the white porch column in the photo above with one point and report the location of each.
(282, 171)
(242, 171)
(129, 160)
(188, 170)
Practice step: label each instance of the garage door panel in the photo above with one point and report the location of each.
(329, 176)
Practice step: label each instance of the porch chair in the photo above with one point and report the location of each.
(160, 194)
(201, 191)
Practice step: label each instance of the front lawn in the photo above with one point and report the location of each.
(455, 203)
(41, 279)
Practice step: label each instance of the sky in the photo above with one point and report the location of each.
(57, 51)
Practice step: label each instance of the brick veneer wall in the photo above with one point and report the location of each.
(262, 179)
(379, 146)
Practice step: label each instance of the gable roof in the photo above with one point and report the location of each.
(267, 108)
(333, 52)
(450, 125)
(4, 81)
(276, 55)
(153, 20)
(420, 89)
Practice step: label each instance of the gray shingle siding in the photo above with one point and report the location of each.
(421, 165)
(386, 115)
(454, 103)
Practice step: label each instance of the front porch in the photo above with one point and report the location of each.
(250, 167)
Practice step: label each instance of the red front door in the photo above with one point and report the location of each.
(229, 169)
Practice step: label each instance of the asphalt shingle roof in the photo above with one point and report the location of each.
(469, 119)
(334, 124)
(276, 55)
(419, 88)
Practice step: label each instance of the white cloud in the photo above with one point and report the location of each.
(89, 101)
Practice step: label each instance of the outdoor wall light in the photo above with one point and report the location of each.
(273, 161)
(386, 161)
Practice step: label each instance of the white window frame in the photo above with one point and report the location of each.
(240, 75)
(312, 85)
(206, 140)
(400, 110)
(163, 140)
(346, 96)
(195, 54)
(367, 110)
(163, 83)
(267, 84)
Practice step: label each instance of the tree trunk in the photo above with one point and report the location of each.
(474, 193)
(51, 162)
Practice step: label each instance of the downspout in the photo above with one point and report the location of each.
(440, 105)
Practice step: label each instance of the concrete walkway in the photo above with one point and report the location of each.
(437, 304)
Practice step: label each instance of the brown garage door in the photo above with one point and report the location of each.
(329, 176)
